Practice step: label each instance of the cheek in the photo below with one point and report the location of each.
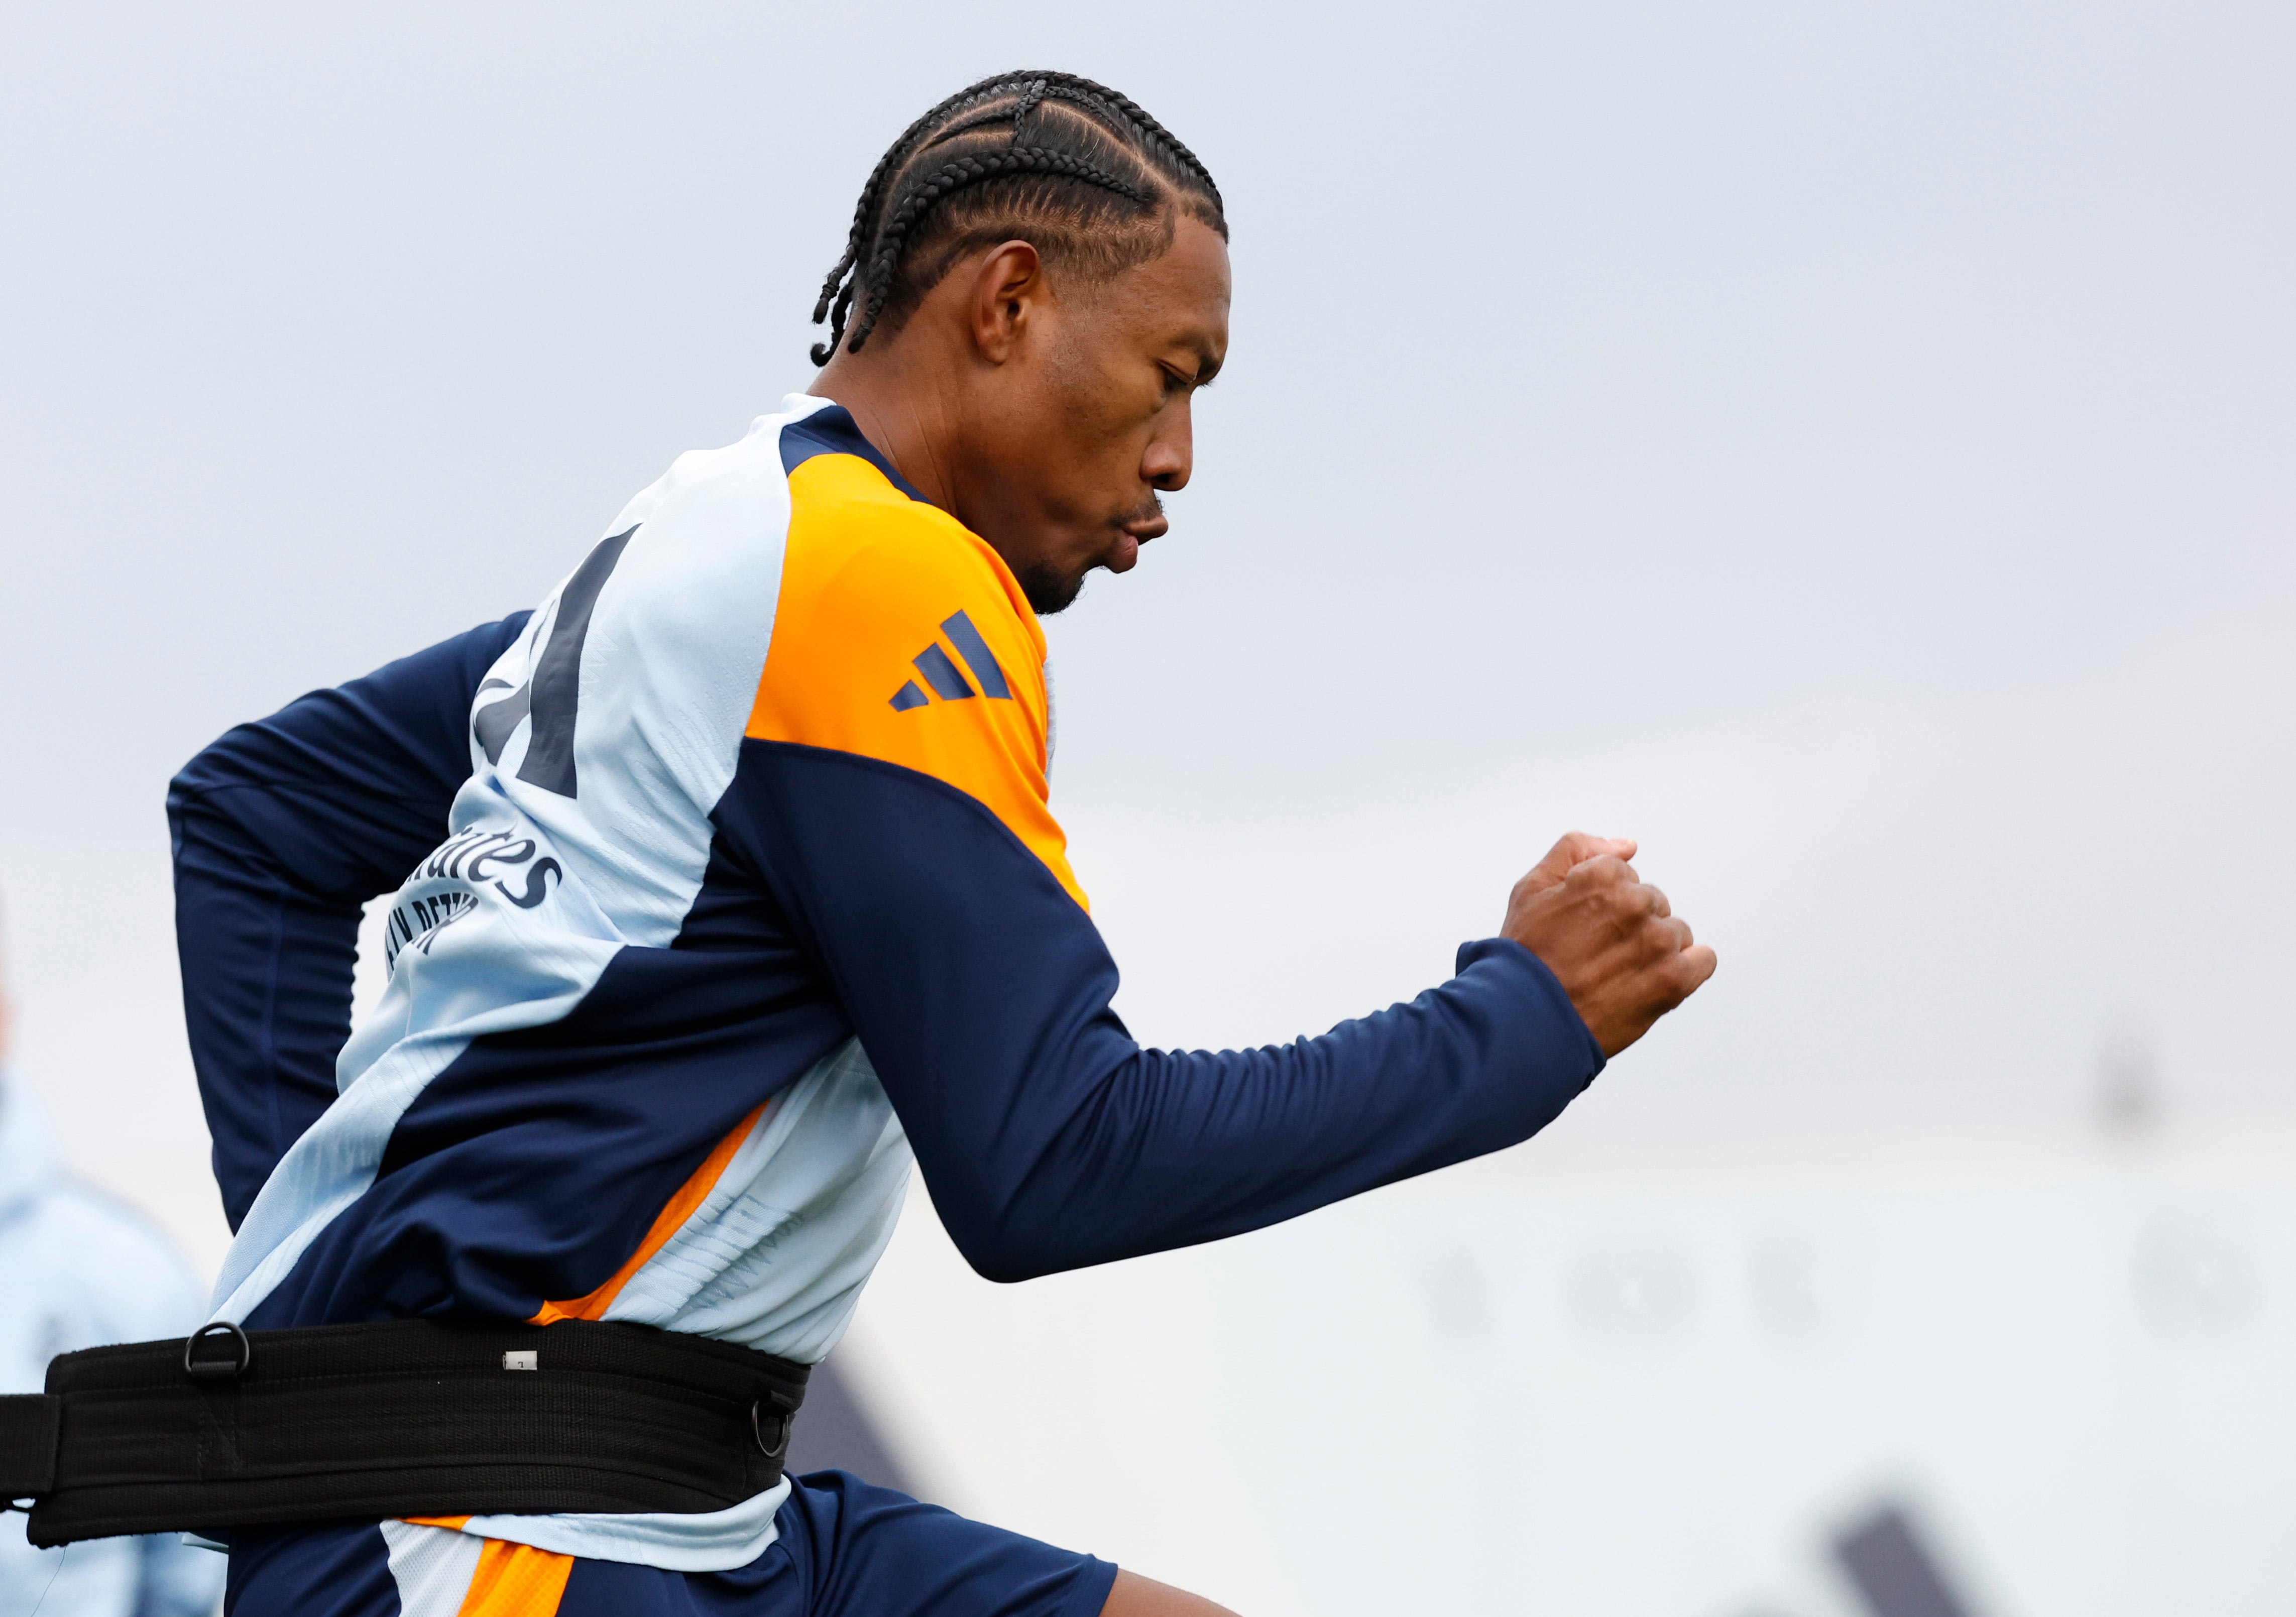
(1076, 395)
(1083, 422)
(1101, 383)
(1101, 431)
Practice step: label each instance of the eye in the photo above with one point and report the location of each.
(1174, 382)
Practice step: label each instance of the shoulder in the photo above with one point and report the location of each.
(901, 637)
(890, 614)
(856, 529)
(699, 550)
(801, 512)
(887, 607)
(657, 635)
(737, 488)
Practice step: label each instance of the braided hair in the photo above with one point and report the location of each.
(1069, 166)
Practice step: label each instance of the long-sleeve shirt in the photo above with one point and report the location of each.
(734, 883)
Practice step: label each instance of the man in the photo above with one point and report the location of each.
(81, 1269)
(735, 884)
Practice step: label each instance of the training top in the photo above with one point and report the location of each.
(724, 880)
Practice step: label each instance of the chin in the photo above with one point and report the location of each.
(1050, 588)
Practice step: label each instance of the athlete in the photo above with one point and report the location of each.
(734, 888)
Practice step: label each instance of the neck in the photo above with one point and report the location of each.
(904, 411)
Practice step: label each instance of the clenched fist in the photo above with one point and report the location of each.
(1611, 939)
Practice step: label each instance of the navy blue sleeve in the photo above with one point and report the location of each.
(282, 831)
(1050, 1139)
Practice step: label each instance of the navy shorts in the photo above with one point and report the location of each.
(846, 1549)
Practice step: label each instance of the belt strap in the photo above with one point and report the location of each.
(404, 1417)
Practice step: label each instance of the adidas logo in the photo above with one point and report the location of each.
(946, 679)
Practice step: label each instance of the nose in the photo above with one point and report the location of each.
(1171, 454)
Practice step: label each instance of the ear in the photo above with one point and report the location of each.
(1006, 291)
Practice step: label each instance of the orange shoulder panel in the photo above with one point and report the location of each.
(901, 635)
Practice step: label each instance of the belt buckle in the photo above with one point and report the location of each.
(218, 1369)
(784, 1410)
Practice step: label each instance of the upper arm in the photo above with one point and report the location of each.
(281, 830)
(891, 793)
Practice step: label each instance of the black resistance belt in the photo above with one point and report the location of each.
(236, 1428)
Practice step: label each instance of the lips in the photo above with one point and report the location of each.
(1146, 522)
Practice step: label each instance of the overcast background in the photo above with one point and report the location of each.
(1852, 447)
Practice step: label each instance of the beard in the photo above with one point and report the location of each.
(1052, 589)
(1049, 588)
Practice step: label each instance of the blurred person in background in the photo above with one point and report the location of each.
(83, 1270)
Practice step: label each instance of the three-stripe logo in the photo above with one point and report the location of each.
(942, 675)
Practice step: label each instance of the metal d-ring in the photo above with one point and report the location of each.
(218, 1369)
(783, 1413)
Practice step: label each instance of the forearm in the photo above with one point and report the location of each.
(1048, 1137)
(1165, 1149)
(267, 969)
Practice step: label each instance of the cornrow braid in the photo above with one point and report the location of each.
(1106, 144)
(1029, 99)
(954, 177)
(864, 209)
(1084, 91)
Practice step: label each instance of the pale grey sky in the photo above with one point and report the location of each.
(1601, 375)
